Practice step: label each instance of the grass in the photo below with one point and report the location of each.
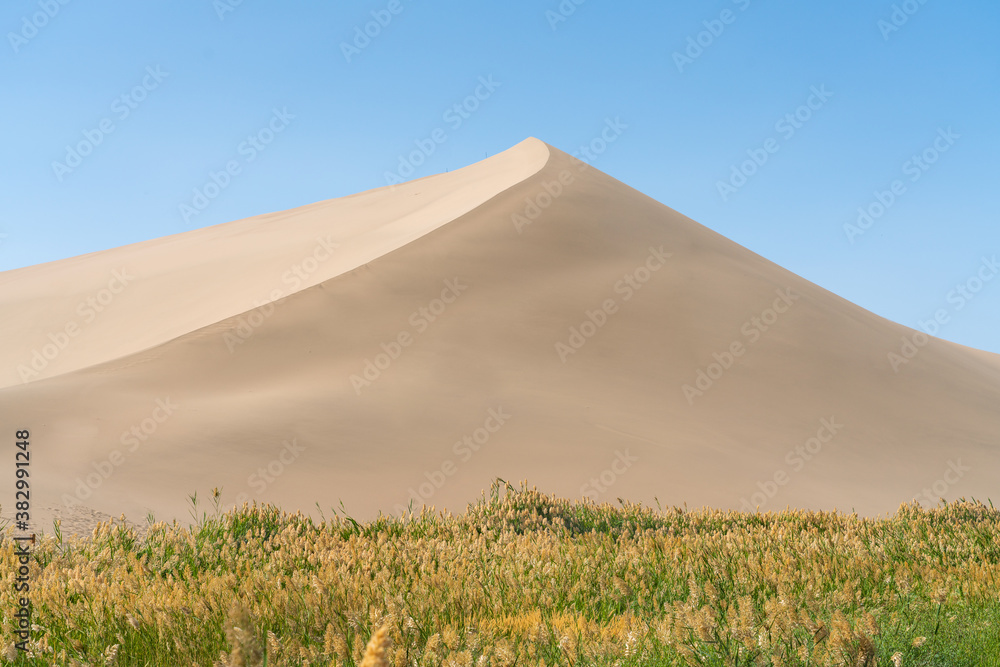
(521, 578)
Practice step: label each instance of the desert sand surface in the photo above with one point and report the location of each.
(527, 317)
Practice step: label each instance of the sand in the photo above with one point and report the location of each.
(527, 317)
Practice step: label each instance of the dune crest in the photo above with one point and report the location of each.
(74, 313)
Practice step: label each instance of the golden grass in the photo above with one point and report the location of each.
(523, 578)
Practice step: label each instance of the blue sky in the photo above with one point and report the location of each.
(161, 95)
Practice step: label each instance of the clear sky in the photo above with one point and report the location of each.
(114, 114)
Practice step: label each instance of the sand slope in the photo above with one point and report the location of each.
(521, 321)
(131, 298)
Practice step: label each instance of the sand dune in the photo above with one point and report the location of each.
(102, 306)
(526, 317)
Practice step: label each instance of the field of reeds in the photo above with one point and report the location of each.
(521, 578)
